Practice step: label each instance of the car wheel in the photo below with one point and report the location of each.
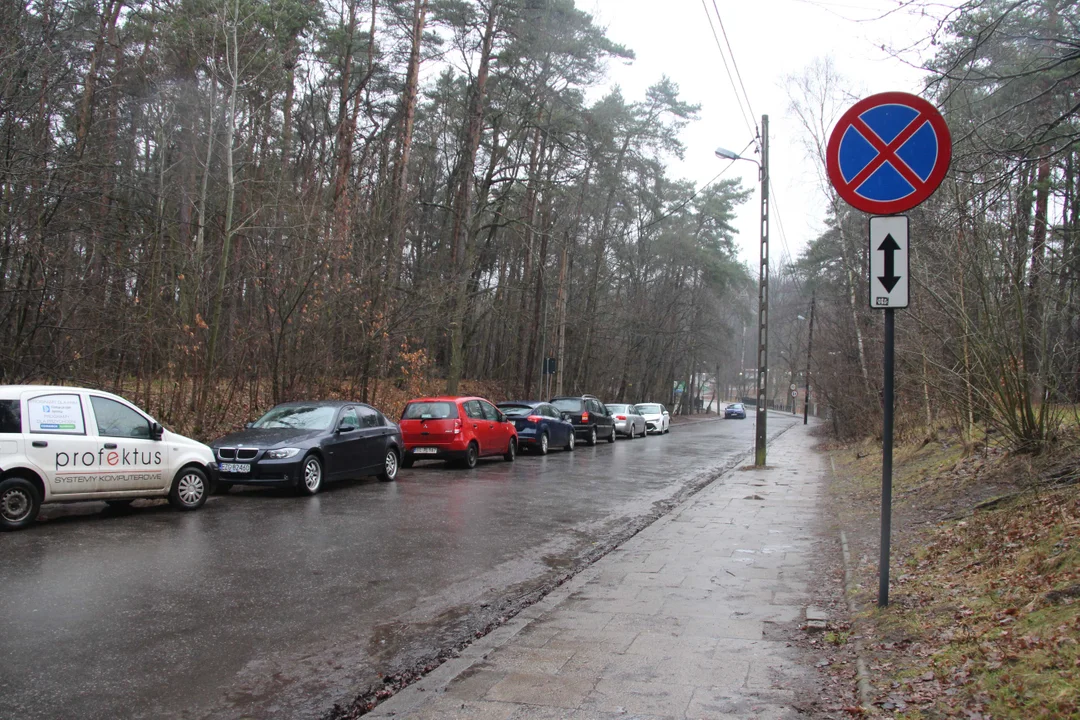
(644, 431)
(406, 462)
(19, 503)
(511, 451)
(122, 503)
(592, 437)
(472, 456)
(311, 476)
(222, 488)
(570, 443)
(189, 489)
(390, 466)
(543, 449)
(611, 438)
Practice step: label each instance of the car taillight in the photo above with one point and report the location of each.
(620, 417)
(457, 426)
(534, 418)
(585, 416)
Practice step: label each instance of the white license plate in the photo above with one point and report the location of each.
(235, 467)
(425, 451)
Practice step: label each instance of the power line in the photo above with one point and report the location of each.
(738, 98)
(734, 63)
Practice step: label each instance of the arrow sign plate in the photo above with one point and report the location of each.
(889, 271)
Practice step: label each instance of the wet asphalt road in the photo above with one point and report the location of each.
(264, 604)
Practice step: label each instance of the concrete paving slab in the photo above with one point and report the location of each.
(560, 691)
(672, 624)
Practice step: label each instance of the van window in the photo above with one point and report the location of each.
(61, 414)
(570, 405)
(10, 417)
(118, 420)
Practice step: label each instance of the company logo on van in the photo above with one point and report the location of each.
(111, 458)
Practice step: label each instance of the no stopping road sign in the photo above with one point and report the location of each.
(888, 153)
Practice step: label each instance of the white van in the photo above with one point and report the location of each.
(64, 444)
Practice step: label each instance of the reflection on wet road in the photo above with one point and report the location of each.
(265, 604)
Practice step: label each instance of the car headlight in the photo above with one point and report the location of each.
(281, 454)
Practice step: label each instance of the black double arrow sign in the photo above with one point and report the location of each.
(890, 247)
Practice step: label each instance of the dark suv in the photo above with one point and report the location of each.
(590, 418)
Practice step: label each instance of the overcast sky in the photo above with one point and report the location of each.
(771, 40)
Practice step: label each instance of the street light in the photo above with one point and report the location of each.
(763, 288)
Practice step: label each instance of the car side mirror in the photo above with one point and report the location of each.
(666, 413)
(156, 431)
(346, 429)
(249, 425)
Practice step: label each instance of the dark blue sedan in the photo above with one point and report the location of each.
(540, 425)
(735, 410)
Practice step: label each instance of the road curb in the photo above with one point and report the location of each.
(862, 675)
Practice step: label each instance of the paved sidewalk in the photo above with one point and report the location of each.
(675, 623)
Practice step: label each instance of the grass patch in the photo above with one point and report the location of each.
(984, 612)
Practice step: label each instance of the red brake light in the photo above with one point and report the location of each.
(620, 417)
(585, 416)
(457, 426)
(534, 418)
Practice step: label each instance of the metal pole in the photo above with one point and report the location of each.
(886, 462)
(809, 345)
(763, 302)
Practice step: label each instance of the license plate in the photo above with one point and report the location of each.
(234, 467)
(425, 451)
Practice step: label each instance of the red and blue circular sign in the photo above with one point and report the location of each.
(888, 153)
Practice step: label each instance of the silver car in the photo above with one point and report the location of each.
(628, 421)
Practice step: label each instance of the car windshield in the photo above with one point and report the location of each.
(618, 408)
(649, 409)
(568, 404)
(429, 411)
(736, 406)
(516, 410)
(298, 417)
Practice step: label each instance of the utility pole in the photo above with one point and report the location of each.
(763, 301)
(809, 345)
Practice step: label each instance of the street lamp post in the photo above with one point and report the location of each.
(763, 290)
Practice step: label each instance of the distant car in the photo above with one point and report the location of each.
(539, 425)
(628, 421)
(657, 418)
(456, 429)
(735, 410)
(63, 444)
(590, 418)
(304, 444)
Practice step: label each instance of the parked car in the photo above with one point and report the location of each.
(735, 410)
(456, 429)
(590, 418)
(304, 444)
(657, 418)
(539, 425)
(64, 444)
(628, 421)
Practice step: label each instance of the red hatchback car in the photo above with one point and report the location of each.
(459, 429)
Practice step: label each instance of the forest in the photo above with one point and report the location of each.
(215, 205)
